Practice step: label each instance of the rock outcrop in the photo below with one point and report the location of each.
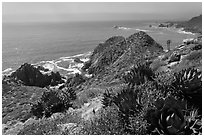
(31, 76)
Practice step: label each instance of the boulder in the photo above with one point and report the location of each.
(174, 57)
(31, 76)
(77, 60)
(162, 25)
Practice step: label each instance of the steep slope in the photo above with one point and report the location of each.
(193, 25)
(106, 53)
(121, 54)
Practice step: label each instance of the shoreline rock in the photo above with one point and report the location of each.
(31, 76)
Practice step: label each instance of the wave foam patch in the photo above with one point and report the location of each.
(7, 71)
(143, 30)
(137, 29)
(184, 32)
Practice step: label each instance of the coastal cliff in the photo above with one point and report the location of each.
(193, 25)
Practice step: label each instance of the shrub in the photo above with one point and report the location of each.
(52, 102)
(75, 80)
(37, 109)
(107, 122)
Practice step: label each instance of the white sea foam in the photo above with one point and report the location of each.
(7, 70)
(143, 30)
(126, 28)
(184, 32)
(53, 65)
(85, 59)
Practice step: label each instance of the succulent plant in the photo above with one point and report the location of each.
(138, 75)
(194, 123)
(187, 84)
(128, 102)
(107, 99)
(169, 118)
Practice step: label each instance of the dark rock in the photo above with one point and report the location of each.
(162, 25)
(166, 25)
(41, 68)
(31, 76)
(116, 27)
(86, 65)
(174, 57)
(77, 60)
(197, 47)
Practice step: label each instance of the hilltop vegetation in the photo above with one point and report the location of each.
(135, 88)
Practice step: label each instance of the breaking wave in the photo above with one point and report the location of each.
(126, 28)
(64, 65)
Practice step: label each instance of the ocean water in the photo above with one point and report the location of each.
(38, 42)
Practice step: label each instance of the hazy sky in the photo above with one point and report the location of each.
(56, 11)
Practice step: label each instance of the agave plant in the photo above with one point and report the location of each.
(138, 75)
(107, 99)
(169, 118)
(128, 102)
(194, 123)
(187, 84)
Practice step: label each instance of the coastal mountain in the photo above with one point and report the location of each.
(134, 87)
(118, 54)
(193, 25)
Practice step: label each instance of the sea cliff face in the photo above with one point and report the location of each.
(193, 25)
(127, 77)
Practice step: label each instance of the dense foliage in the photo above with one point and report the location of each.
(187, 84)
(53, 101)
(138, 75)
(169, 107)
